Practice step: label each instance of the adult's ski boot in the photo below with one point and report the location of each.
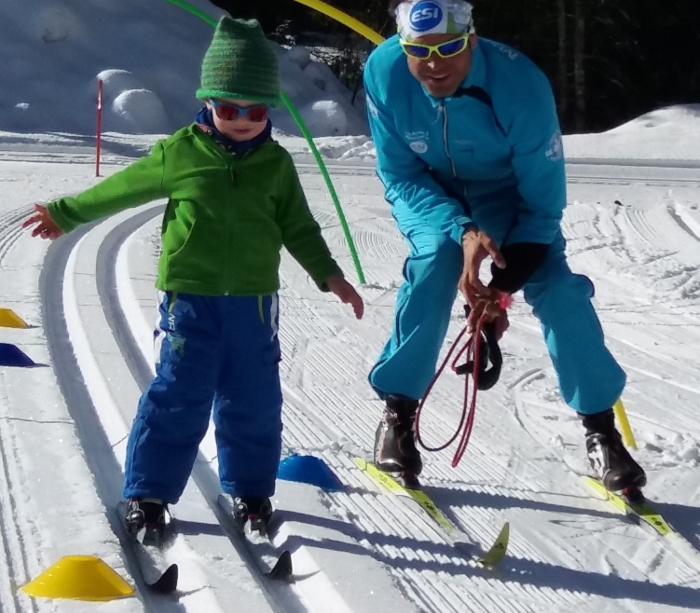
(146, 519)
(394, 444)
(253, 514)
(610, 460)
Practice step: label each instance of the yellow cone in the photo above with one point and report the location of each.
(9, 319)
(79, 578)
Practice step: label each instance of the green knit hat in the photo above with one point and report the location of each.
(240, 64)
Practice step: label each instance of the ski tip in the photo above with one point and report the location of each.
(283, 570)
(498, 550)
(167, 583)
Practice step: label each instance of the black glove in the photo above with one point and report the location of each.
(522, 260)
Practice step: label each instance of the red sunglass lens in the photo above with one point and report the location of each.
(226, 112)
(258, 113)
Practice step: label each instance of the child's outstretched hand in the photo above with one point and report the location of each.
(347, 294)
(45, 226)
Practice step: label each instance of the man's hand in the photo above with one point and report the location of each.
(45, 226)
(477, 246)
(493, 314)
(347, 294)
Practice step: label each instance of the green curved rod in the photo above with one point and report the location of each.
(324, 171)
(304, 130)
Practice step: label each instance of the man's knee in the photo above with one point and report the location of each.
(439, 261)
(559, 296)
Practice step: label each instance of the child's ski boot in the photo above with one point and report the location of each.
(145, 519)
(252, 514)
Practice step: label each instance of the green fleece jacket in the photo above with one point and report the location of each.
(226, 220)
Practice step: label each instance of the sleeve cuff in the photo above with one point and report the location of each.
(461, 225)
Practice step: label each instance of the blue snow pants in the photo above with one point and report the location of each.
(590, 380)
(218, 351)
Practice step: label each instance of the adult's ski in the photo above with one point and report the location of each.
(457, 537)
(644, 513)
(149, 553)
(273, 565)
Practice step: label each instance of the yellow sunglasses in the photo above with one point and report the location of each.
(447, 49)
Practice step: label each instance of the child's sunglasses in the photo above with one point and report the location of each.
(447, 49)
(229, 111)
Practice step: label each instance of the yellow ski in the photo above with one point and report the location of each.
(646, 512)
(491, 558)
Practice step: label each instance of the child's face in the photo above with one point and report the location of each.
(239, 129)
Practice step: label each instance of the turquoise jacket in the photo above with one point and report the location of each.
(226, 220)
(490, 155)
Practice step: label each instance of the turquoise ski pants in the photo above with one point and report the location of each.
(590, 380)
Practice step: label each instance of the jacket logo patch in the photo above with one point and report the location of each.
(373, 111)
(511, 53)
(419, 146)
(555, 148)
(425, 16)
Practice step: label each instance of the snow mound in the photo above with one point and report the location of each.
(325, 105)
(56, 23)
(326, 118)
(673, 117)
(137, 111)
(149, 55)
(669, 133)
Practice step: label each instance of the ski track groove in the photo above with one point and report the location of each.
(384, 517)
(17, 531)
(17, 537)
(11, 230)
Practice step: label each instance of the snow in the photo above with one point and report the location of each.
(632, 224)
(149, 54)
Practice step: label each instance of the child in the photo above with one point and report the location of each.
(234, 199)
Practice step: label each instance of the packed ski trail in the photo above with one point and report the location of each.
(639, 242)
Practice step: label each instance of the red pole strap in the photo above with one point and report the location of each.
(472, 349)
(99, 127)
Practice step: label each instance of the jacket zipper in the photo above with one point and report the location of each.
(229, 239)
(443, 109)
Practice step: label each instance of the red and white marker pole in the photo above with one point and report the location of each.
(99, 127)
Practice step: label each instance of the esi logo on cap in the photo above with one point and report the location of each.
(425, 16)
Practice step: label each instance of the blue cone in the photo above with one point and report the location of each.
(311, 470)
(12, 356)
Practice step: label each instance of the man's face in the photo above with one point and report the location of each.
(442, 76)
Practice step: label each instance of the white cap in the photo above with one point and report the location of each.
(416, 18)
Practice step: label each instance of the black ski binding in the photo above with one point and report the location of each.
(633, 496)
(409, 480)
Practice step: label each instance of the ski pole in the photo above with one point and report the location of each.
(627, 434)
(98, 141)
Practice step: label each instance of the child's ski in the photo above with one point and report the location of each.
(157, 574)
(457, 537)
(271, 564)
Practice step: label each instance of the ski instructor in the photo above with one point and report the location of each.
(470, 153)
